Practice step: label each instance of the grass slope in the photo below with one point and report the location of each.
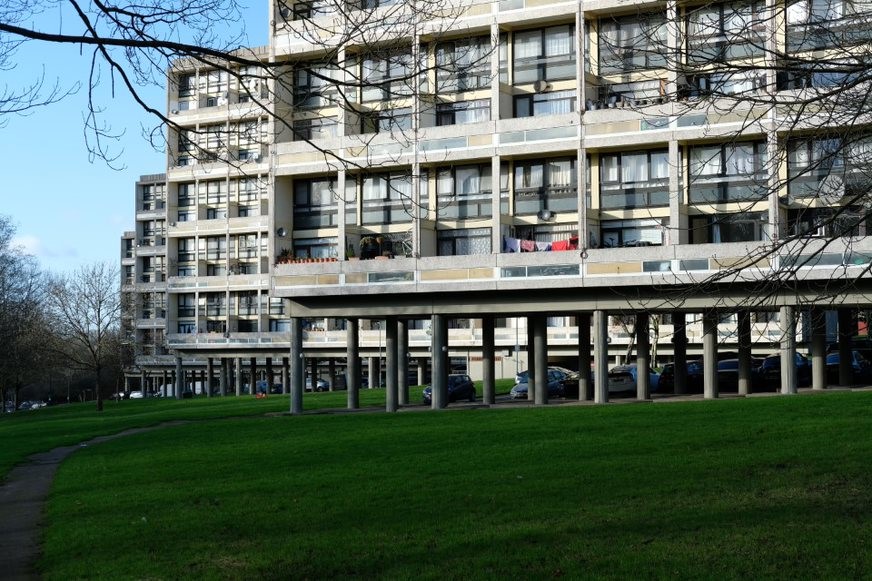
(759, 487)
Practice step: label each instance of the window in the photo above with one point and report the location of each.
(632, 43)
(387, 77)
(187, 250)
(314, 128)
(216, 270)
(187, 306)
(546, 54)
(545, 185)
(725, 31)
(386, 120)
(634, 180)
(315, 203)
(315, 85)
(723, 228)
(728, 173)
(216, 248)
(463, 112)
(464, 191)
(464, 242)
(829, 167)
(187, 328)
(187, 85)
(618, 233)
(387, 198)
(463, 65)
(315, 247)
(186, 195)
(216, 305)
(539, 104)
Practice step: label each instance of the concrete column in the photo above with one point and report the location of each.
(439, 345)
(679, 346)
(643, 357)
(710, 354)
(403, 361)
(352, 363)
(203, 382)
(252, 375)
(296, 366)
(818, 348)
(142, 387)
(601, 357)
(180, 379)
(585, 386)
(237, 377)
(488, 386)
(787, 320)
(313, 372)
(847, 329)
(422, 371)
(392, 367)
(165, 381)
(532, 384)
(331, 374)
(210, 375)
(286, 376)
(540, 354)
(270, 375)
(374, 371)
(744, 338)
(222, 377)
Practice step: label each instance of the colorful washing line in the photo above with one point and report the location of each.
(518, 245)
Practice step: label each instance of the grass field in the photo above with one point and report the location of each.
(761, 487)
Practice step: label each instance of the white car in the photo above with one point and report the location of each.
(136, 395)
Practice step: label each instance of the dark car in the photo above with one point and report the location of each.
(728, 373)
(556, 377)
(460, 386)
(861, 366)
(694, 377)
(768, 374)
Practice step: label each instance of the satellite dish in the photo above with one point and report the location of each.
(832, 189)
(545, 215)
(281, 232)
(541, 86)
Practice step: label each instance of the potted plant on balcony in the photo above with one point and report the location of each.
(284, 256)
(369, 248)
(349, 254)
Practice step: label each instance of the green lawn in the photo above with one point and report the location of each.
(774, 487)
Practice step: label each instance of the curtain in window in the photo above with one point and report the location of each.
(375, 188)
(401, 187)
(634, 168)
(527, 44)
(705, 21)
(373, 70)
(740, 160)
(659, 165)
(705, 161)
(444, 183)
(558, 41)
(528, 176)
(560, 173)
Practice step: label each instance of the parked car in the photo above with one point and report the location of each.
(556, 377)
(523, 375)
(768, 374)
(728, 373)
(460, 386)
(622, 379)
(320, 384)
(666, 383)
(861, 366)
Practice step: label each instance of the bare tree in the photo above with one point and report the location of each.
(85, 310)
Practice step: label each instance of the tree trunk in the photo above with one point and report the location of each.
(98, 392)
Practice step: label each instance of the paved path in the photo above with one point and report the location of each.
(22, 502)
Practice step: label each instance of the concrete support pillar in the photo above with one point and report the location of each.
(787, 320)
(237, 377)
(679, 346)
(601, 357)
(531, 361)
(352, 363)
(252, 376)
(540, 355)
(210, 375)
(422, 371)
(203, 383)
(847, 329)
(403, 361)
(744, 337)
(818, 348)
(374, 371)
(180, 379)
(142, 387)
(222, 377)
(331, 374)
(585, 386)
(286, 376)
(392, 367)
(270, 375)
(438, 347)
(313, 372)
(296, 366)
(488, 386)
(643, 357)
(710, 354)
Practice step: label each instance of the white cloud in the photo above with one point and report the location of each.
(31, 244)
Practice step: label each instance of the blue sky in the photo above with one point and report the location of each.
(69, 210)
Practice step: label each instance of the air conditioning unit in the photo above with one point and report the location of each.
(541, 86)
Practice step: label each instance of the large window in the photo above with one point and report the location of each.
(722, 228)
(644, 232)
(315, 203)
(387, 77)
(725, 31)
(463, 242)
(545, 185)
(733, 172)
(632, 43)
(538, 104)
(829, 168)
(187, 250)
(463, 65)
(386, 120)
(464, 191)
(216, 304)
(186, 305)
(463, 112)
(315, 85)
(216, 248)
(315, 247)
(387, 198)
(816, 24)
(546, 54)
(314, 128)
(634, 180)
